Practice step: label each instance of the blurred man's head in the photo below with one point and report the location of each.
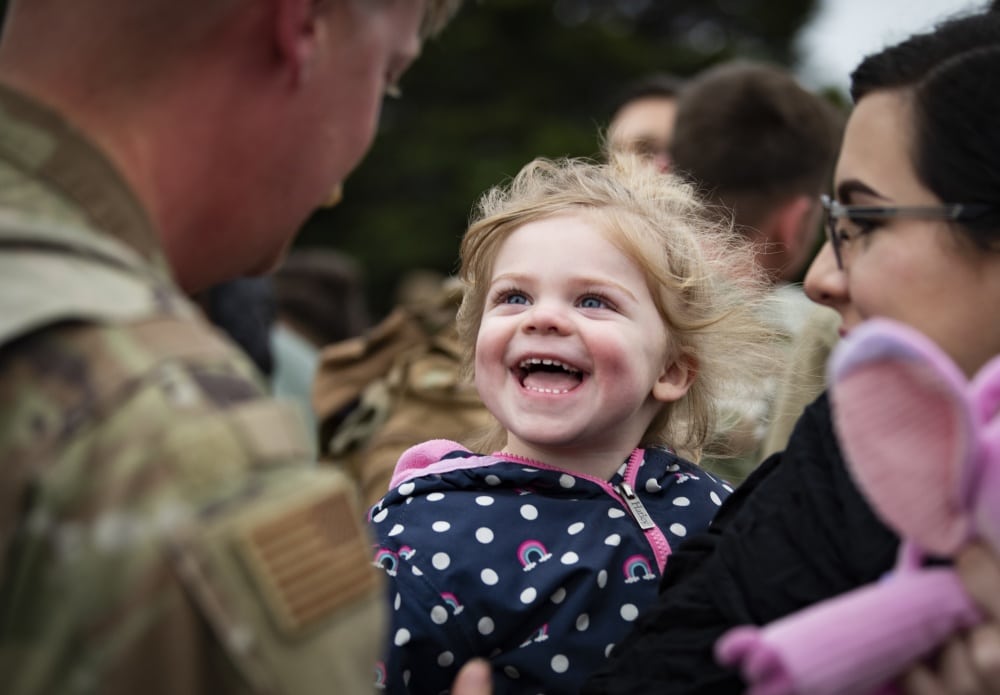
(642, 118)
(763, 147)
(230, 120)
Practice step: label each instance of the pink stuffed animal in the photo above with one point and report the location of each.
(924, 446)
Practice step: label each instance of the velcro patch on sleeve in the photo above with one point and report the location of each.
(310, 560)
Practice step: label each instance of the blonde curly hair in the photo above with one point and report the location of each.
(711, 295)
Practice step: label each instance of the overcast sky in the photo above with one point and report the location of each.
(844, 31)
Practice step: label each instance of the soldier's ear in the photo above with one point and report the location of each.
(295, 35)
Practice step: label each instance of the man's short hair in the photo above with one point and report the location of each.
(658, 84)
(750, 136)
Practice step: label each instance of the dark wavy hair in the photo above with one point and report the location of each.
(953, 74)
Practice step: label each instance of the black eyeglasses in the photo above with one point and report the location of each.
(864, 219)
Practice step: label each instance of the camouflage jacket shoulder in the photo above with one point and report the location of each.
(50, 274)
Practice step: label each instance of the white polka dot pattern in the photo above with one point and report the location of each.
(546, 588)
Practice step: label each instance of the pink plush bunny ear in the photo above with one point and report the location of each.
(907, 431)
(986, 397)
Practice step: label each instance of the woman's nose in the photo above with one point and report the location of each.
(825, 283)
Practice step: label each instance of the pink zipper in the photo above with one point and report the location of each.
(623, 493)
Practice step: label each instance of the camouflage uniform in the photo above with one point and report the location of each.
(163, 529)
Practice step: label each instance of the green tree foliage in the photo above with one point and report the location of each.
(509, 80)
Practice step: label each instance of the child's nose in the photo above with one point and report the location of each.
(547, 318)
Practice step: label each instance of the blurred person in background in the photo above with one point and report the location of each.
(761, 149)
(319, 299)
(642, 118)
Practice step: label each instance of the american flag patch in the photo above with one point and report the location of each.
(310, 561)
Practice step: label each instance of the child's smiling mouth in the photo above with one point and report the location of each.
(546, 375)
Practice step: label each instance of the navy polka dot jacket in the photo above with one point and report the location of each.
(539, 570)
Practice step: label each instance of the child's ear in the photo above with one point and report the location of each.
(675, 379)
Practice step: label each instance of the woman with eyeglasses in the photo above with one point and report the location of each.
(914, 236)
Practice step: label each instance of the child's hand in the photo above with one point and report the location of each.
(969, 664)
(473, 679)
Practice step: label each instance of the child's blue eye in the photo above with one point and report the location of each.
(515, 298)
(592, 303)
